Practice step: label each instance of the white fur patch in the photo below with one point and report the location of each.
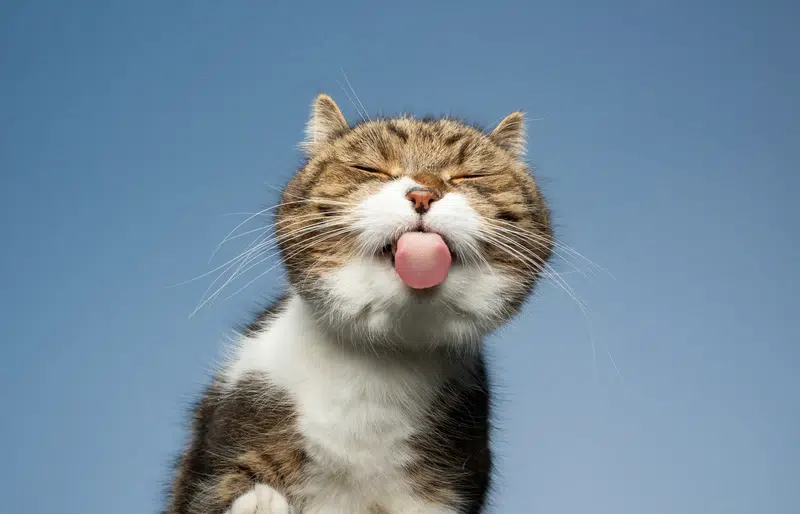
(367, 297)
(385, 214)
(262, 499)
(355, 410)
(370, 292)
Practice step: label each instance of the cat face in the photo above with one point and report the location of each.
(363, 187)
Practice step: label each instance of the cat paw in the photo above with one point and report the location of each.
(262, 499)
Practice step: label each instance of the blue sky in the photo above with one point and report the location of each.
(666, 136)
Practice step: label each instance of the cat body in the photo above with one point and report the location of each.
(364, 389)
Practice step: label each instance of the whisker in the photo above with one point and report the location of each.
(265, 247)
(556, 242)
(588, 314)
(540, 264)
(247, 255)
(541, 241)
(208, 272)
(351, 101)
(250, 254)
(244, 214)
(363, 109)
(237, 236)
(309, 245)
(237, 227)
(294, 236)
(240, 256)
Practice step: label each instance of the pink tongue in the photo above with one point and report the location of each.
(422, 259)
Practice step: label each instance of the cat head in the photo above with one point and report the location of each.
(363, 187)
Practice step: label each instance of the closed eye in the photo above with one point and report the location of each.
(367, 169)
(462, 178)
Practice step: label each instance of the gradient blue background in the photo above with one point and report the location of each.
(667, 138)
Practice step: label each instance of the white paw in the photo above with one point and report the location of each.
(262, 499)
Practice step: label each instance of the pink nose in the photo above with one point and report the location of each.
(422, 199)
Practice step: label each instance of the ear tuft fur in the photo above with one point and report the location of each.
(510, 134)
(325, 123)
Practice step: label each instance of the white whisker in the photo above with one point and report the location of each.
(259, 213)
(555, 241)
(363, 109)
(501, 240)
(309, 245)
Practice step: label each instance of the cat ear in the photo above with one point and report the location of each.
(325, 123)
(510, 134)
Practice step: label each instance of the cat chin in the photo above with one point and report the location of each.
(366, 298)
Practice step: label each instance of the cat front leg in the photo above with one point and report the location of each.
(261, 499)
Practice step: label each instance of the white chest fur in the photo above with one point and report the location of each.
(356, 411)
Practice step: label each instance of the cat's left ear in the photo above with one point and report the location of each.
(325, 123)
(510, 134)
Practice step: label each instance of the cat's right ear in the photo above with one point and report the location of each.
(326, 123)
(510, 134)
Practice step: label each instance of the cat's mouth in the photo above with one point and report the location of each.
(421, 259)
(389, 250)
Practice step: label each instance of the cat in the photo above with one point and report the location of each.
(363, 389)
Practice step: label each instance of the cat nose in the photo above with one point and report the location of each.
(422, 199)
